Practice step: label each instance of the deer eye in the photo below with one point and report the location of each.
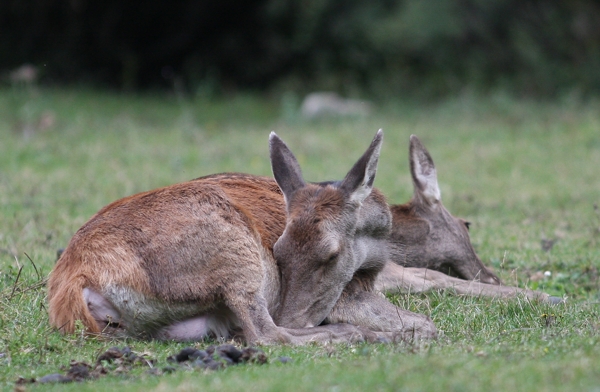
(333, 257)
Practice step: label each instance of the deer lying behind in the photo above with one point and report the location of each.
(427, 242)
(227, 255)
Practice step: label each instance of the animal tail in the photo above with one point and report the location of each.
(65, 298)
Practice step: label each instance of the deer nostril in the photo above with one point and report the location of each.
(494, 280)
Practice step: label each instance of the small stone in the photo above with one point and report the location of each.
(126, 351)
(229, 351)
(54, 378)
(79, 371)
(110, 355)
(186, 354)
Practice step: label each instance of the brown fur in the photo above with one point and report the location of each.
(68, 292)
(121, 241)
(338, 232)
(217, 253)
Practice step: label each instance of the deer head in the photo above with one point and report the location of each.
(319, 251)
(425, 234)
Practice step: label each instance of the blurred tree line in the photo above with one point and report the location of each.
(427, 47)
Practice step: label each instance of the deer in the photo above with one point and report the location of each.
(235, 255)
(430, 249)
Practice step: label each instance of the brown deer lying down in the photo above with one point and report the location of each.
(217, 257)
(427, 242)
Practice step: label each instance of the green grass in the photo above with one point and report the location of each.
(520, 171)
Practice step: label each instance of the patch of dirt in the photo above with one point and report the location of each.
(122, 360)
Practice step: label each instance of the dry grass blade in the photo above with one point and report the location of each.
(34, 266)
(14, 287)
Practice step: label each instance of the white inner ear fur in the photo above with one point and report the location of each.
(364, 190)
(360, 194)
(427, 177)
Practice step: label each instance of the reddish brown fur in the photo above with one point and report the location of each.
(269, 210)
(66, 289)
(74, 270)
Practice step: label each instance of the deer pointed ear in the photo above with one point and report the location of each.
(286, 169)
(423, 172)
(358, 183)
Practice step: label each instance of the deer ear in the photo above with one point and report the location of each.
(286, 169)
(423, 172)
(358, 183)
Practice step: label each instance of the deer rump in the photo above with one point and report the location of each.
(151, 260)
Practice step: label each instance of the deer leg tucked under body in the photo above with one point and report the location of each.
(371, 310)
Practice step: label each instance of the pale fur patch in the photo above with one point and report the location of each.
(145, 316)
(427, 177)
(101, 309)
(217, 326)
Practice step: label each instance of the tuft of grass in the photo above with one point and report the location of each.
(523, 172)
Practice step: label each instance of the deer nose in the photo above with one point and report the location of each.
(490, 279)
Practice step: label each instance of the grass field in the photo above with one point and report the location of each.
(525, 173)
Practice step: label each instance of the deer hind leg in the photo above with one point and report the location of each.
(372, 311)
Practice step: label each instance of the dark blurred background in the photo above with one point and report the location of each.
(408, 47)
